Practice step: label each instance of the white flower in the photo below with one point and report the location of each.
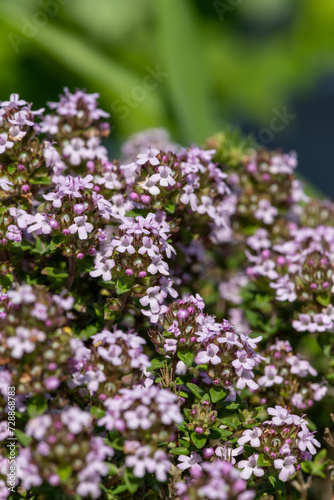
(209, 356)
(250, 467)
(286, 466)
(252, 436)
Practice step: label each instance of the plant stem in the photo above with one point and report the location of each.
(71, 271)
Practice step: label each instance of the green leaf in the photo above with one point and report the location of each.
(57, 241)
(180, 450)
(40, 180)
(198, 439)
(137, 211)
(37, 405)
(52, 272)
(323, 299)
(230, 423)
(199, 393)
(23, 438)
(6, 280)
(131, 481)
(186, 357)
(97, 412)
(188, 86)
(263, 461)
(124, 284)
(218, 433)
(217, 393)
(64, 471)
(278, 485)
(88, 331)
(170, 207)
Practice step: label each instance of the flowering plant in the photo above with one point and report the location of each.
(159, 314)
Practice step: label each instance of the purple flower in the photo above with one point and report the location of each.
(188, 462)
(265, 211)
(103, 268)
(209, 355)
(42, 224)
(4, 184)
(21, 343)
(287, 467)
(270, 377)
(170, 345)
(75, 419)
(14, 102)
(4, 143)
(150, 156)
(307, 440)
(250, 467)
(163, 176)
(81, 226)
(75, 151)
(300, 367)
(251, 436)
(281, 415)
(14, 234)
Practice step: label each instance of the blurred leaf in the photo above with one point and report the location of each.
(187, 80)
(82, 58)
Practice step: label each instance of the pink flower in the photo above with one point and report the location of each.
(81, 226)
(150, 156)
(209, 356)
(250, 467)
(287, 467)
(189, 462)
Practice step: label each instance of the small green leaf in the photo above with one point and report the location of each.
(40, 180)
(131, 481)
(219, 433)
(263, 461)
(170, 207)
(11, 168)
(199, 393)
(97, 412)
(198, 439)
(180, 450)
(52, 272)
(217, 393)
(230, 423)
(323, 299)
(186, 357)
(124, 284)
(37, 405)
(64, 472)
(278, 485)
(23, 438)
(137, 211)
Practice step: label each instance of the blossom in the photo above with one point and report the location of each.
(209, 355)
(40, 224)
(251, 436)
(81, 226)
(188, 462)
(307, 440)
(150, 156)
(4, 143)
(265, 211)
(287, 467)
(163, 176)
(103, 268)
(270, 377)
(281, 415)
(4, 184)
(250, 467)
(21, 343)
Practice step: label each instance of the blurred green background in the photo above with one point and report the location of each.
(192, 66)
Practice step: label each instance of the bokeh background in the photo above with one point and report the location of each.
(192, 66)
